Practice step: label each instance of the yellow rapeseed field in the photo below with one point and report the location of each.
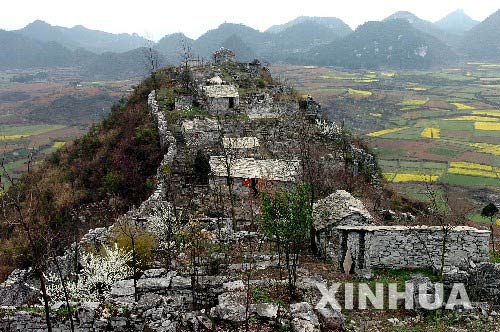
(473, 118)
(389, 176)
(386, 131)
(431, 133)
(487, 112)
(487, 125)
(9, 137)
(359, 92)
(463, 164)
(487, 148)
(413, 102)
(406, 177)
(490, 79)
(365, 80)
(473, 172)
(58, 145)
(463, 107)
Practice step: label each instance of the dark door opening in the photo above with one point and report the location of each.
(231, 102)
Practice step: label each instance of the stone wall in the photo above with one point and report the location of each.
(264, 106)
(183, 102)
(221, 105)
(402, 247)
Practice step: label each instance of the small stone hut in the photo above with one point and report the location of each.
(223, 55)
(338, 209)
(250, 174)
(200, 132)
(345, 228)
(221, 98)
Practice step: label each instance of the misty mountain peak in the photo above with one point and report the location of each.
(457, 22)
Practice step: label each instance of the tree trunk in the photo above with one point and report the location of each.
(66, 295)
(134, 268)
(45, 300)
(492, 236)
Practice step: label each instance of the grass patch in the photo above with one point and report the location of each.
(385, 152)
(441, 151)
(390, 276)
(477, 217)
(16, 132)
(495, 256)
(469, 181)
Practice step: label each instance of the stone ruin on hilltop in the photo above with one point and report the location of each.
(245, 133)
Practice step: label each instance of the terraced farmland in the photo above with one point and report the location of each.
(426, 127)
(37, 118)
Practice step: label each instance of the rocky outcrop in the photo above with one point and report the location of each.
(303, 318)
(16, 290)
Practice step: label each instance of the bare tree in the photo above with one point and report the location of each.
(130, 228)
(228, 158)
(152, 64)
(62, 280)
(447, 218)
(24, 208)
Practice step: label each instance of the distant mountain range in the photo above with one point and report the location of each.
(20, 52)
(393, 43)
(339, 27)
(80, 37)
(401, 40)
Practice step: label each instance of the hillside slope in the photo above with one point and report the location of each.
(483, 41)
(98, 177)
(393, 43)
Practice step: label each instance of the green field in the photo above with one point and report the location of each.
(419, 123)
(30, 130)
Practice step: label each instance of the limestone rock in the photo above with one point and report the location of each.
(347, 265)
(340, 208)
(231, 307)
(331, 319)
(15, 291)
(265, 310)
(87, 312)
(303, 318)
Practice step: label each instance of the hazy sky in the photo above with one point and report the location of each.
(155, 18)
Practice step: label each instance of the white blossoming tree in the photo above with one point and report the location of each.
(164, 223)
(100, 271)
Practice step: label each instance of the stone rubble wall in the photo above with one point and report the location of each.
(403, 247)
(410, 248)
(482, 281)
(267, 107)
